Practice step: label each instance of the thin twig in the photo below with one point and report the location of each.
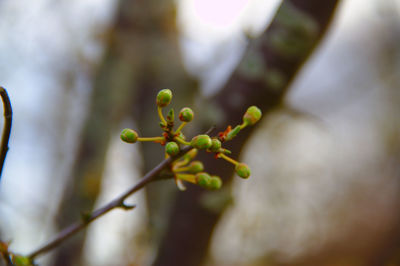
(7, 127)
(116, 203)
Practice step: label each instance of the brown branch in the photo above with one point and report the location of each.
(7, 127)
(115, 203)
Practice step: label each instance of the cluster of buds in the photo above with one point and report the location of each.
(185, 168)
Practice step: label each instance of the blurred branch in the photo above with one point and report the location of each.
(7, 127)
(118, 202)
(115, 203)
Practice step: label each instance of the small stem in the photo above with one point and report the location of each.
(182, 141)
(187, 177)
(243, 125)
(180, 163)
(156, 139)
(180, 127)
(7, 127)
(182, 169)
(160, 114)
(223, 156)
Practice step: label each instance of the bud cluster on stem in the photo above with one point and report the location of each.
(185, 169)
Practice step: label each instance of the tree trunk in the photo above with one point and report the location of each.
(262, 78)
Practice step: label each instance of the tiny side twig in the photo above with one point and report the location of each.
(115, 203)
(7, 127)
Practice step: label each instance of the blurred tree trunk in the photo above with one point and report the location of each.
(142, 56)
(262, 78)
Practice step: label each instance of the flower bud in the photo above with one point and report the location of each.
(215, 183)
(186, 114)
(201, 142)
(172, 148)
(129, 135)
(215, 145)
(203, 179)
(242, 170)
(195, 167)
(252, 115)
(164, 97)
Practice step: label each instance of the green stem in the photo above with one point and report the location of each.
(160, 114)
(182, 141)
(223, 156)
(180, 127)
(156, 139)
(187, 177)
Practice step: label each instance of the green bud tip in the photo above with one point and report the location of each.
(129, 135)
(172, 148)
(201, 142)
(186, 114)
(196, 167)
(215, 145)
(170, 116)
(164, 97)
(233, 133)
(215, 183)
(242, 170)
(252, 115)
(203, 179)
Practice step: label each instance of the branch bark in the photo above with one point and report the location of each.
(118, 202)
(7, 127)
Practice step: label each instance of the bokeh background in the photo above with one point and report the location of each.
(325, 158)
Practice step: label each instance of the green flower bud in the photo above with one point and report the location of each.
(186, 114)
(172, 148)
(170, 116)
(203, 179)
(242, 170)
(164, 97)
(215, 145)
(215, 182)
(195, 167)
(233, 133)
(129, 135)
(252, 115)
(201, 142)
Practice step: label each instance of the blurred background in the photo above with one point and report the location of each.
(325, 158)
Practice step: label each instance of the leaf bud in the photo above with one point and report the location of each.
(172, 148)
(203, 179)
(186, 114)
(252, 115)
(215, 145)
(195, 167)
(242, 170)
(129, 135)
(215, 183)
(164, 97)
(201, 142)
(233, 133)
(170, 116)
